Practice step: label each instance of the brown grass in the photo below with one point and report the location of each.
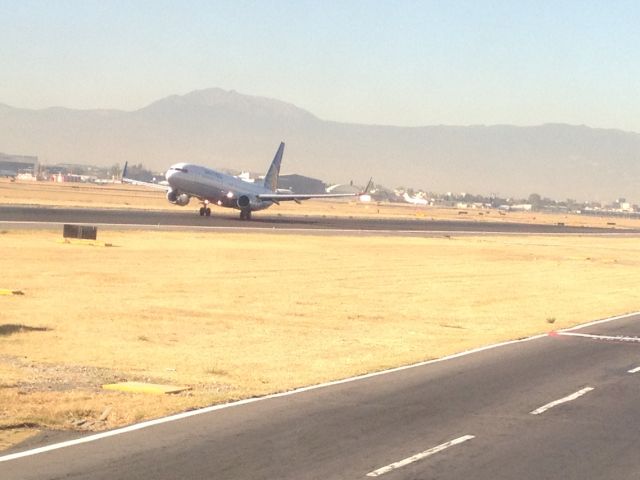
(238, 315)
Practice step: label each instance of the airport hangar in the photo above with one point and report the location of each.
(18, 164)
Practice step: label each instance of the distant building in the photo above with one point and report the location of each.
(300, 184)
(15, 165)
(246, 176)
(522, 207)
(67, 177)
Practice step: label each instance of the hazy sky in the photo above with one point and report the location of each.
(386, 62)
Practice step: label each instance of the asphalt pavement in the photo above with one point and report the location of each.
(42, 216)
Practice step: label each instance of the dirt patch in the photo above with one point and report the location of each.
(48, 377)
(16, 435)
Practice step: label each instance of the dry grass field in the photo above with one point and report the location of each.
(239, 315)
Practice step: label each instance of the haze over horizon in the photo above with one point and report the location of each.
(220, 128)
(386, 63)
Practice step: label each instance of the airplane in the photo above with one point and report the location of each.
(209, 186)
(414, 200)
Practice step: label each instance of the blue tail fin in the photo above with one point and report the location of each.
(271, 178)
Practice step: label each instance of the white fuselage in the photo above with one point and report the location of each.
(215, 187)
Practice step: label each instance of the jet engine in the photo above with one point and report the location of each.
(243, 201)
(248, 201)
(178, 198)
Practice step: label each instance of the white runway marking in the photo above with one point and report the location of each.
(615, 338)
(634, 370)
(308, 230)
(419, 456)
(180, 416)
(568, 398)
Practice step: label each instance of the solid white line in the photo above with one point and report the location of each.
(634, 370)
(267, 229)
(618, 338)
(568, 398)
(305, 230)
(335, 230)
(419, 456)
(180, 416)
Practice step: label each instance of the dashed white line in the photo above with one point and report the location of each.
(419, 456)
(634, 370)
(614, 338)
(568, 398)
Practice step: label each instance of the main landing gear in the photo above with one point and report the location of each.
(245, 214)
(205, 210)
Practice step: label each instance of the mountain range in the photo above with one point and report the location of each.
(226, 129)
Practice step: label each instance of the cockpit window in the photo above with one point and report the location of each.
(178, 169)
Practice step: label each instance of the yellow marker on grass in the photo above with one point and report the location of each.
(6, 291)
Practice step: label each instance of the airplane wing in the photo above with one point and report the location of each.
(296, 197)
(283, 197)
(131, 181)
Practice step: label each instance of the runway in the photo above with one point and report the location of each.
(560, 406)
(39, 216)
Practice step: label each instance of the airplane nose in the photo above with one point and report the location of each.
(174, 170)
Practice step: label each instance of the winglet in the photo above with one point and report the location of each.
(271, 178)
